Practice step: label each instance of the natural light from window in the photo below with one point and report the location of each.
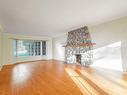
(108, 57)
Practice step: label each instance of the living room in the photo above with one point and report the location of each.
(63, 47)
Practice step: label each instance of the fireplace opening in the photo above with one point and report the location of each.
(78, 58)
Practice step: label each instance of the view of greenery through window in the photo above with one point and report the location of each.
(29, 48)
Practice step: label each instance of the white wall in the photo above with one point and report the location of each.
(8, 57)
(110, 33)
(58, 49)
(0, 47)
(102, 34)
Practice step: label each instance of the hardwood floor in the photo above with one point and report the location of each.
(55, 78)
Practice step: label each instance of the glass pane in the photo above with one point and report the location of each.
(15, 48)
(43, 47)
(22, 48)
(37, 48)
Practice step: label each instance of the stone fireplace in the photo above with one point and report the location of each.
(79, 47)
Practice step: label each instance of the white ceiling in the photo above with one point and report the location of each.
(53, 17)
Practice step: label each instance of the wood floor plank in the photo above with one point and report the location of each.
(51, 77)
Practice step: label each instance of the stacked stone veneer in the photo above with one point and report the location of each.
(76, 37)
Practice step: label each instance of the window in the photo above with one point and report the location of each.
(29, 48)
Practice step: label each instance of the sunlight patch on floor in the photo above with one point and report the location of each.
(81, 83)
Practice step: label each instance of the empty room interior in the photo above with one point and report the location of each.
(63, 47)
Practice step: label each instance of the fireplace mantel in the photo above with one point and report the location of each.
(80, 45)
